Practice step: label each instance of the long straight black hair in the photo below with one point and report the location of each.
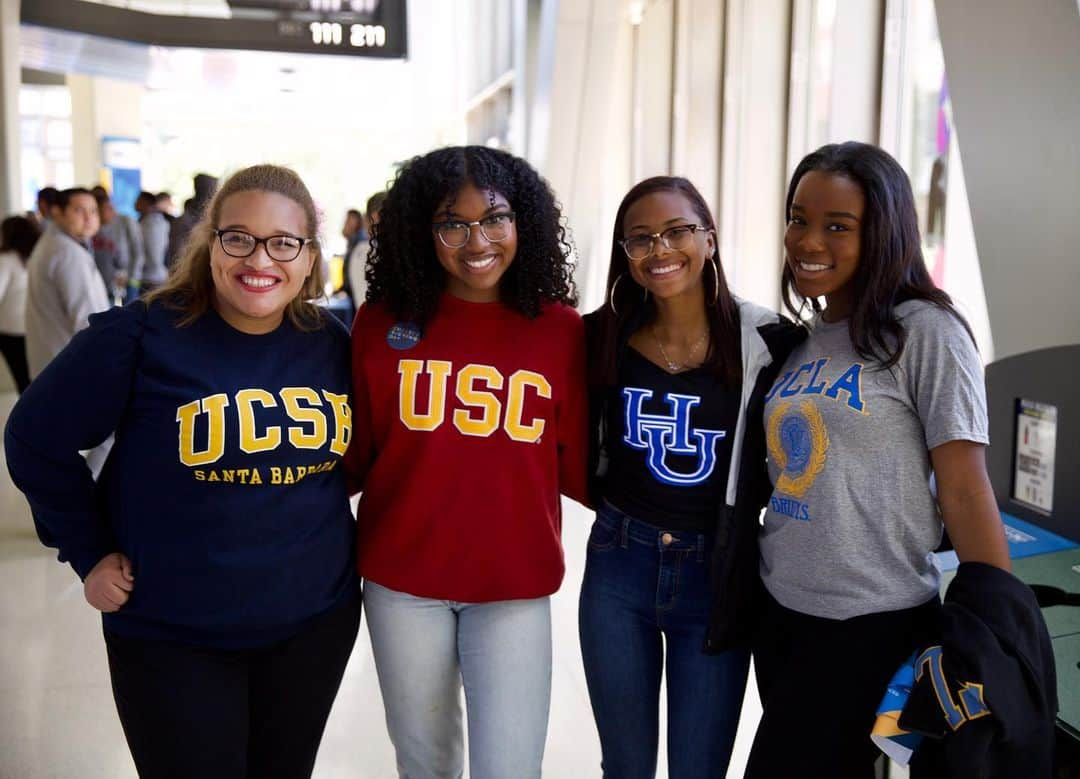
(626, 303)
(891, 268)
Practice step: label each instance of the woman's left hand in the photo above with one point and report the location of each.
(109, 583)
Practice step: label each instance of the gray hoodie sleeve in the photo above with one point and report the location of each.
(137, 258)
(81, 289)
(155, 230)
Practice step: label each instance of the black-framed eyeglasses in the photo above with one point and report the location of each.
(454, 234)
(677, 238)
(279, 248)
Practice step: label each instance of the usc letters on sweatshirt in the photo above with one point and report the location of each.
(465, 435)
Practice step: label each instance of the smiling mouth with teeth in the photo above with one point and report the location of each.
(481, 263)
(812, 267)
(258, 281)
(663, 270)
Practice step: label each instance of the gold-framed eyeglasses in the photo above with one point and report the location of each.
(279, 248)
(677, 238)
(454, 234)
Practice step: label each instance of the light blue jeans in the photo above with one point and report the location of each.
(426, 650)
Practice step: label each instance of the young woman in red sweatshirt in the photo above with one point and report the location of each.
(470, 406)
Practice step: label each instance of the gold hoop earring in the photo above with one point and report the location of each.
(611, 298)
(611, 295)
(716, 281)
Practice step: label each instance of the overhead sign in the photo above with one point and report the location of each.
(317, 6)
(360, 28)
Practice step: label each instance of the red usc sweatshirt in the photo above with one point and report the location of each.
(464, 436)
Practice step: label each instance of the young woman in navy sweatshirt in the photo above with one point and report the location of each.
(470, 404)
(218, 539)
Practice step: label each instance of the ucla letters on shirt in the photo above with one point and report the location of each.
(669, 444)
(465, 436)
(852, 524)
(224, 487)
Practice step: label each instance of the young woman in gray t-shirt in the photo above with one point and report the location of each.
(886, 390)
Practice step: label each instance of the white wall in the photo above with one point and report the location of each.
(651, 78)
(101, 107)
(698, 88)
(618, 102)
(963, 276)
(10, 181)
(698, 91)
(856, 74)
(754, 141)
(581, 135)
(1014, 75)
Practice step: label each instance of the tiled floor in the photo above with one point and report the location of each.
(57, 717)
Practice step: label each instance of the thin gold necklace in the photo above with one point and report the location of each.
(671, 364)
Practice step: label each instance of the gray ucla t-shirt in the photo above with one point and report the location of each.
(852, 523)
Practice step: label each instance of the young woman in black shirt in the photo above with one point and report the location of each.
(677, 367)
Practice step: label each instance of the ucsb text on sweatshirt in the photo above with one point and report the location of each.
(224, 487)
(466, 433)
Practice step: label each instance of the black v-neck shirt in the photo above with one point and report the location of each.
(669, 444)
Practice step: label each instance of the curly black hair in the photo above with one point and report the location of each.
(402, 270)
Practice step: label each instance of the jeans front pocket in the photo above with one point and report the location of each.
(605, 534)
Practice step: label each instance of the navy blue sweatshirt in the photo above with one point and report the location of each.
(224, 486)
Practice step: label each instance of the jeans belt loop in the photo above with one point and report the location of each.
(625, 540)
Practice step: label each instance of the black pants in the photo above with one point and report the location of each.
(229, 714)
(821, 681)
(13, 347)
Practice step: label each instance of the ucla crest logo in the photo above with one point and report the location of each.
(798, 443)
(661, 435)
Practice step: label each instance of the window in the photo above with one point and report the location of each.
(811, 77)
(45, 129)
(917, 128)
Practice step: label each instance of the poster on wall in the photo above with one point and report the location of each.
(1036, 435)
(123, 171)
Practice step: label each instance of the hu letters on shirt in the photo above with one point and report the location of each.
(664, 434)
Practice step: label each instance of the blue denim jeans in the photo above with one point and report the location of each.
(645, 591)
(426, 650)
